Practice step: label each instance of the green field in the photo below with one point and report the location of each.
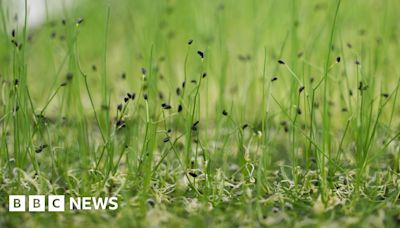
(204, 113)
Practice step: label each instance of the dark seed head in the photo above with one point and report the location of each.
(69, 76)
(79, 21)
(274, 79)
(16, 82)
(126, 99)
(119, 107)
(13, 33)
(201, 54)
(281, 62)
(166, 139)
(145, 96)
(301, 89)
(178, 91)
(190, 41)
(298, 111)
(180, 108)
(194, 126)
(245, 126)
(15, 43)
(286, 128)
(349, 45)
(165, 106)
(63, 84)
(63, 22)
(120, 123)
(193, 174)
(300, 54)
(193, 81)
(40, 148)
(338, 59)
(357, 62)
(204, 75)
(385, 95)
(224, 112)
(161, 95)
(143, 70)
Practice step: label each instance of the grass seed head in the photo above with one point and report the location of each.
(201, 54)
(79, 20)
(301, 89)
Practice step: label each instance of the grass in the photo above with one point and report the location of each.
(198, 113)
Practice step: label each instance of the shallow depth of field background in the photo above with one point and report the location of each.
(272, 146)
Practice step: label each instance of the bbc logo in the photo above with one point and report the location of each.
(36, 203)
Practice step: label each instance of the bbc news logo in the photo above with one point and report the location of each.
(57, 203)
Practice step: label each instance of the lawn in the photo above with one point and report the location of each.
(204, 113)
